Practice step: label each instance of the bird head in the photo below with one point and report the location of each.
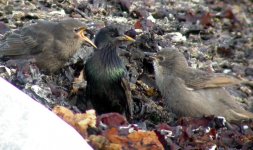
(79, 29)
(169, 58)
(112, 34)
(82, 33)
(166, 60)
(158, 58)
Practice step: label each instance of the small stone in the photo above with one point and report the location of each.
(151, 18)
(17, 15)
(240, 55)
(3, 2)
(246, 90)
(226, 71)
(196, 1)
(225, 64)
(177, 37)
(238, 68)
(249, 71)
(5, 71)
(60, 13)
(42, 92)
(19, 23)
(8, 9)
(3, 28)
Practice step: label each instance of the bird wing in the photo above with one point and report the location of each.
(126, 86)
(198, 79)
(15, 43)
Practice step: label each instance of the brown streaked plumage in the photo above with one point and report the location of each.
(195, 93)
(51, 44)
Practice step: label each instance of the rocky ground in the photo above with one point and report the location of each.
(215, 36)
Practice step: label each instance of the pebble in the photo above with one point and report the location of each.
(246, 90)
(226, 71)
(17, 15)
(249, 71)
(177, 37)
(42, 92)
(151, 18)
(60, 13)
(6, 71)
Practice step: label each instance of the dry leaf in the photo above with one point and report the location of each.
(79, 121)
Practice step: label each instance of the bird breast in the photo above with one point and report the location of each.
(103, 72)
(159, 77)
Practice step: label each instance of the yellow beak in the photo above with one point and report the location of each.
(125, 38)
(81, 33)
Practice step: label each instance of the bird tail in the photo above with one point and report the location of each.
(129, 108)
(239, 116)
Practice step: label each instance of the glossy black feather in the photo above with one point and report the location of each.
(104, 73)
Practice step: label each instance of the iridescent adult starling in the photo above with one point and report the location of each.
(192, 92)
(107, 84)
(49, 43)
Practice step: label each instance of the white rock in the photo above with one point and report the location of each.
(151, 18)
(28, 125)
(245, 127)
(213, 147)
(177, 37)
(117, 19)
(196, 1)
(9, 71)
(226, 71)
(42, 91)
(60, 12)
(17, 15)
(223, 120)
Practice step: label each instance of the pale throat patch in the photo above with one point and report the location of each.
(159, 74)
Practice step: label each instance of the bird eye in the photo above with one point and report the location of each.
(161, 58)
(76, 29)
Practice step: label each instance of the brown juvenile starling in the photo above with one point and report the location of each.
(195, 93)
(49, 43)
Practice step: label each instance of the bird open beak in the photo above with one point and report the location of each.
(125, 38)
(81, 33)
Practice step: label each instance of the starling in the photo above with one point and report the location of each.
(49, 43)
(195, 93)
(108, 88)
